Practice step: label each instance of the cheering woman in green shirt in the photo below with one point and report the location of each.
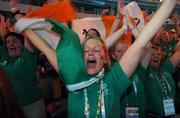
(94, 87)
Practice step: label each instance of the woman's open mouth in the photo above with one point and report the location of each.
(91, 63)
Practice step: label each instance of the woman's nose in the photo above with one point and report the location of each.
(90, 52)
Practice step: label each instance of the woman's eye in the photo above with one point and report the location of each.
(7, 42)
(86, 51)
(96, 50)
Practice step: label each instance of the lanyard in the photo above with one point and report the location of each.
(101, 103)
(165, 87)
(168, 103)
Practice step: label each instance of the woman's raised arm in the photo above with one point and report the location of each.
(43, 47)
(131, 58)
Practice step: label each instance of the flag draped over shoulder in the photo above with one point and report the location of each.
(62, 11)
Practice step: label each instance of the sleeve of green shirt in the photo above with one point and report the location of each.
(140, 71)
(120, 78)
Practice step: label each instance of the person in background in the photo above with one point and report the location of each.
(118, 50)
(20, 64)
(159, 84)
(133, 100)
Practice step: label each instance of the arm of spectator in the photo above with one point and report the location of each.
(28, 45)
(146, 55)
(119, 16)
(131, 58)
(112, 38)
(115, 35)
(43, 47)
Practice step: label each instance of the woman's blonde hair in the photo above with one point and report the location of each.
(107, 59)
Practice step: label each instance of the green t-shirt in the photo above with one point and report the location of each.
(70, 59)
(115, 83)
(153, 91)
(135, 99)
(22, 73)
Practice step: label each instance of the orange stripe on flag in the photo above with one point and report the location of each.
(63, 11)
(107, 21)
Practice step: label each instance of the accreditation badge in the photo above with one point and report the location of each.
(132, 112)
(169, 107)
